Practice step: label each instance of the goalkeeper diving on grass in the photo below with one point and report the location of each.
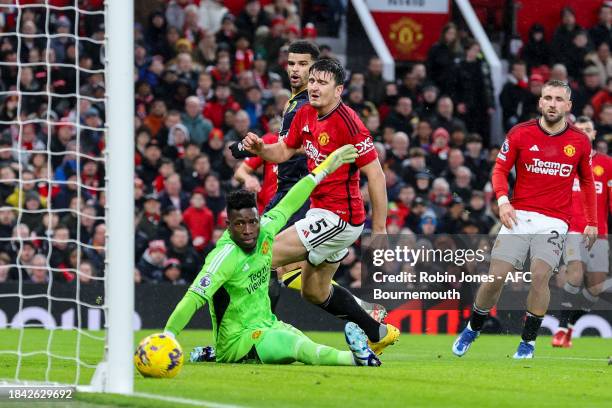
(234, 281)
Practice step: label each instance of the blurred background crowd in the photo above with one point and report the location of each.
(206, 73)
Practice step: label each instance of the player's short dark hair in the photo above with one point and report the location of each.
(331, 66)
(556, 83)
(240, 199)
(583, 119)
(305, 47)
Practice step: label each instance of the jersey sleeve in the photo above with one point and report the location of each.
(254, 162)
(295, 136)
(218, 268)
(609, 183)
(275, 219)
(365, 147)
(504, 162)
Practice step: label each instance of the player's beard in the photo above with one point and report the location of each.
(552, 121)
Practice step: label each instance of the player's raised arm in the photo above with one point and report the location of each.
(378, 195)
(244, 174)
(275, 152)
(587, 186)
(299, 193)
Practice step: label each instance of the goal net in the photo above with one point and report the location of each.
(57, 194)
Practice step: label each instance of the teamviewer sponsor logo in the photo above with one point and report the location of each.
(314, 154)
(550, 168)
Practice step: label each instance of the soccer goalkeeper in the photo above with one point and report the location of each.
(234, 281)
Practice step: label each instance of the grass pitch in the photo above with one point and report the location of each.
(419, 371)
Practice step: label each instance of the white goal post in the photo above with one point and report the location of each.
(114, 370)
(120, 196)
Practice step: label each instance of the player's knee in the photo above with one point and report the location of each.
(314, 294)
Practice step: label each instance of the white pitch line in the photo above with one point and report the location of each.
(573, 358)
(420, 357)
(187, 401)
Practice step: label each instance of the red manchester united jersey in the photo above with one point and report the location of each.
(270, 171)
(339, 192)
(546, 165)
(602, 174)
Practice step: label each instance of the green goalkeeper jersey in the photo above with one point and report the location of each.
(235, 283)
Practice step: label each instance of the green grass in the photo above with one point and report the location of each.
(419, 371)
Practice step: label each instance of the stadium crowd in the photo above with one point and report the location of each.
(204, 77)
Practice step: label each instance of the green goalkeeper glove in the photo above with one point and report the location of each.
(343, 155)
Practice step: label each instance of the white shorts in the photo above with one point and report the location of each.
(596, 260)
(541, 235)
(326, 236)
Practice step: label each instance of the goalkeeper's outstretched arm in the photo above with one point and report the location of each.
(277, 217)
(183, 312)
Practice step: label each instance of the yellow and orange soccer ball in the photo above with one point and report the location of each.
(158, 356)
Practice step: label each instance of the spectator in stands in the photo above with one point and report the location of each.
(530, 108)
(564, 34)
(150, 163)
(602, 32)
(199, 220)
(537, 51)
(445, 116)
(474, 91)
(151, 264)
(215, 198)
(601, 59)
(513, 95)
(242, 125)
(589, 87)
(37, 269)
(198, 126)
(400, 143)
(442, 58)
(97, 252)
(173, 196)
(475, 160)
(462, 185)
(452, 221)
(604, 126)
(603, 97)
(252, 17)
(87, 272)
(402, 117)
(172, 218)
(147, 227)
(374, 82)
(172, 272)
(574, 57)
(180, 248)
(477, 208)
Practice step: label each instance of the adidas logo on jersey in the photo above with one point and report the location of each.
(534, 148)
(246, 267)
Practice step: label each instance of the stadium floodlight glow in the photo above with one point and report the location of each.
(113, 366)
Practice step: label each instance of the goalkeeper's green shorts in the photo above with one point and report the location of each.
(269, 345)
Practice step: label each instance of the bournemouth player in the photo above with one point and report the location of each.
(337, 215)
(547, 154)
(234, 281)
(577, 302)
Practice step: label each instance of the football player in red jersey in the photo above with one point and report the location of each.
(547, 153)
(595, 263)
(337, 214)
(244, 174)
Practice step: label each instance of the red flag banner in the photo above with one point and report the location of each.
(409, 27)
